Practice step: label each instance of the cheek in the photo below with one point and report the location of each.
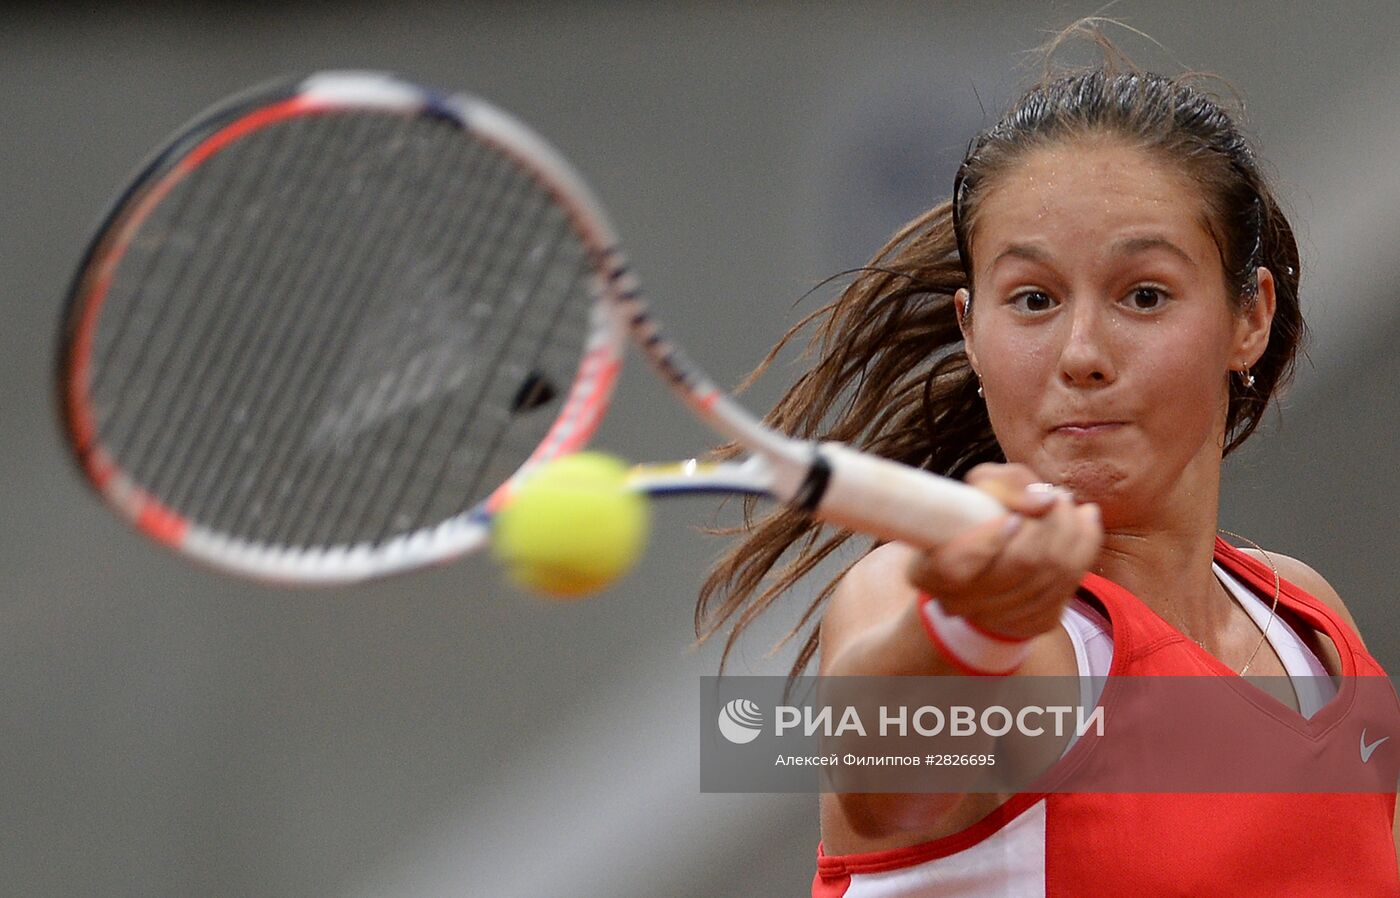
(1014, 360)
(1180, 380)
(1017, 370)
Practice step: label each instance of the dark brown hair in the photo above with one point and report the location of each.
(888, 372)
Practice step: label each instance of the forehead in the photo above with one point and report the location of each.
(1083, 193)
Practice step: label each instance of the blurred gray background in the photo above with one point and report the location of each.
(168, 731)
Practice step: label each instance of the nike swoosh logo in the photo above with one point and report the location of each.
(1368, 750)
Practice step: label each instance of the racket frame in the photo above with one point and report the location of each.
(834, 483)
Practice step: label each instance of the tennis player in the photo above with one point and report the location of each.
(1097, 317)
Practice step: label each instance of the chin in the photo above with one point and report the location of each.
(1091, 480)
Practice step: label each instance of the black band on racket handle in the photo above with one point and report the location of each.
(809, 494)
(893, 501)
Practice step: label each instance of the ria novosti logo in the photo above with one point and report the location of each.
(740, 721)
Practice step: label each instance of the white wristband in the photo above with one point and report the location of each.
(969, 648)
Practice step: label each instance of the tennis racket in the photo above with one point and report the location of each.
(332, 323)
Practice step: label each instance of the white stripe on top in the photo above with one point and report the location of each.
(1093, 646)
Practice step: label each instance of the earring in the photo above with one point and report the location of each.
(979, 388)
(1247, 379)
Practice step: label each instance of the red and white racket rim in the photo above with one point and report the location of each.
(584, 406)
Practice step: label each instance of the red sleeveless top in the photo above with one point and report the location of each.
(1166, 843)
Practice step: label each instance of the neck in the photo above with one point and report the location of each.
(1164, 558)
(1171, 574)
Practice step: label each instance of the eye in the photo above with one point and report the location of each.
(1146, 298)
(1032, 301)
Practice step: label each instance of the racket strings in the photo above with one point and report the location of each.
(270, 370)
(252, 347)
(490, 411)
(321, 331)
(519, 229)
(478, 444)
(253, 223)
(344, 403)
(345, 276)
(249, 350)
(332, 514)
(145, 365)
(543, 342)
(500, 212)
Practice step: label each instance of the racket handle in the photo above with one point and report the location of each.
(893, 501)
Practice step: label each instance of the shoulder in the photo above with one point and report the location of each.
(874, 585)
(1310, 581)
(861, 623)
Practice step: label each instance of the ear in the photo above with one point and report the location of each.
(962, 306)
(1254, 322)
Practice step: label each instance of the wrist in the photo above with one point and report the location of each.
(971, 649)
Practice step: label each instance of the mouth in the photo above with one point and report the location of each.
(1088, 428)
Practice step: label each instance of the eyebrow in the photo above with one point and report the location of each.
(1130, 245)
(1126, 247)
(1021, 251)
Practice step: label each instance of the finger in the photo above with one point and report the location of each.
(1061, 529)
(1014, 486)
(1015, 475)
(1042, 562)
(1001, 481)
(963, 558)
(1035, 550)
(1043, 595)
(1057, 548)
(984, 562)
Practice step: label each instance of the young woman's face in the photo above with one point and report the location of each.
(1102, 328)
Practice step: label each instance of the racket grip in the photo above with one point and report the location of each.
(893, 501)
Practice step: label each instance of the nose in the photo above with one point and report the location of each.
(1086, 359)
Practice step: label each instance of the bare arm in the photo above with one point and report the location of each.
(871, 628)
(1012, 576)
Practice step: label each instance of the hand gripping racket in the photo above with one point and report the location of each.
(328, 326)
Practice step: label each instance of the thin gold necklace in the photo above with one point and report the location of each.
(1273, 608)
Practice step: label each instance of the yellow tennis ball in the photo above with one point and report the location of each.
(572, 527)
